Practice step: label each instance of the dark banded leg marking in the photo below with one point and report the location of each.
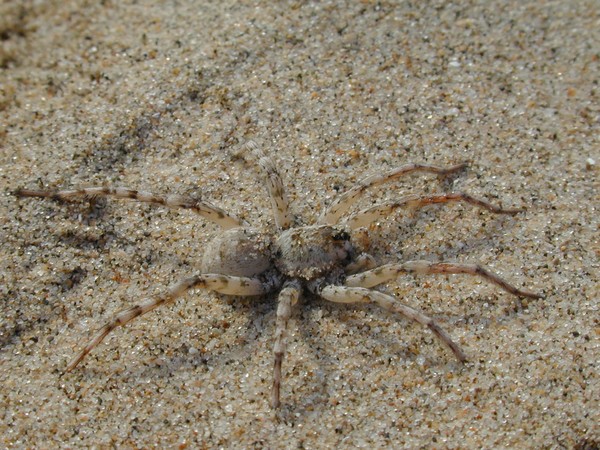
(206, 210)
(344, 294)
(219, 283)
(346, 200)
(389, 272)
(279, 200)
(367, 216)
(288, 297)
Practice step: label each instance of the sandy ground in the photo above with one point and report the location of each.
(161, 96)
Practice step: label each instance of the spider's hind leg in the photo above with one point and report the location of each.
(219, 283)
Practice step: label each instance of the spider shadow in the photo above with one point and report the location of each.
(349, 324)
(488, 230)
(22, 310)
(101, 237)
(148, 367)
(256, 312)
(28, 304)
(407, 226)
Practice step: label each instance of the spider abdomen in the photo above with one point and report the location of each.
(240, 252)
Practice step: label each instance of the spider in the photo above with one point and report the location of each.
(320, 259)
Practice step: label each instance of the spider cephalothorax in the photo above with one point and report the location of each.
(312, 251)
(320, 258)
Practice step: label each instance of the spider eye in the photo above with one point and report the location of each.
(341, 236)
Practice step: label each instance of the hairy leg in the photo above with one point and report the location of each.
(345, 294)
(367, 216)
(288, 297)
(219, 283)
(389, 272)
(279, 200)
(206, 210)
(332, 214)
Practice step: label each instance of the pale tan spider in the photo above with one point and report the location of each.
(319, 259)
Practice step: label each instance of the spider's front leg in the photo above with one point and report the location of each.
(345, 294)
(219, 283)
(332, 214)
(206, 210)
(368, 216)
(288, 297)
(389, 272)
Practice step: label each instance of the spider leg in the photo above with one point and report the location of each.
(388, 272)
(345, 294)
(362, 262)
(370, 215)
(339, 206)
(219, 283)
(279, 200)
(288, 297)
(206, 210)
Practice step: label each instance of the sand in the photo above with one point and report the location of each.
(161, 96)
